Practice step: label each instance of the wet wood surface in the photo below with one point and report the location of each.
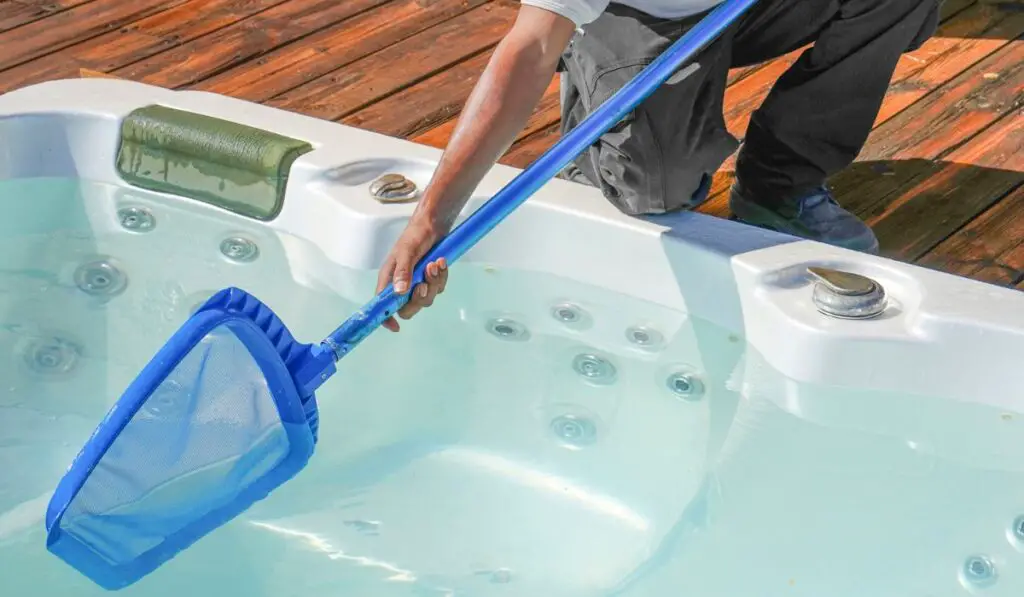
(941, 179)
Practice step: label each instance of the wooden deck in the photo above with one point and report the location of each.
(941, 180)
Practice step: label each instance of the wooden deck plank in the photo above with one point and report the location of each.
(424, 105)
(376, 67)
(54, 6)
(974, 34)
(919, 203)
(522, 154)
(244, 40)
(940, 121)
(14, 13)
(546, 114)
(136, 41)
(68, 27)
(990, 248)
(332, 50)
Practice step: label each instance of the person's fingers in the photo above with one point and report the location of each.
(390, 324)
(415, 303)
(435, 279)
(404, 262)
(432, 273)
(442, 277)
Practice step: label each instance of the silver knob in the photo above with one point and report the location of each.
(846, 295)
(393, 188)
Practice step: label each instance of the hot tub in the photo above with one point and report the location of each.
(598, 405)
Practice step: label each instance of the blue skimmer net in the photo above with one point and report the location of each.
(226, 412)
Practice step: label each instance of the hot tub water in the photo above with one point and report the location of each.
(527, 435)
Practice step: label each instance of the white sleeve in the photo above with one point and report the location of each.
(579, 12)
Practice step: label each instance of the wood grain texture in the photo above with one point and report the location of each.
(87, 73)
(523, 153)
(974, 34)
(546, 114)
(368, 77)
(136, 41)
(967, 104)
(244, 40)
(14, 13)
(424, 105)
(335, 48)
(990, 248)
(913, 205)
(67, 27)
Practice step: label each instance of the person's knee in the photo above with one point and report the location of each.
(639, 183)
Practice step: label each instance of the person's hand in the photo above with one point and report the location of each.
(418, 237)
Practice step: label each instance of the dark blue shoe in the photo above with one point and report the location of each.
(815, 217)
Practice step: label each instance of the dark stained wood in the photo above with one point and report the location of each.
(424, 105)
(332, 49)
(67, 27)
(53, 6)
(14, 13)
(136, 41)
(247, 39)
(521, 154)
(369, 75)
(718, 198)
(969, 103)
(990, 248)
(974, 34)
(942, 196)
(544, 116)
(941, 179)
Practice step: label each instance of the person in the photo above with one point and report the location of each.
(661, 156)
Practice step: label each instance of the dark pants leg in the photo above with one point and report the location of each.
(819, 113)
(813, 123)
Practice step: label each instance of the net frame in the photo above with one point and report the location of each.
(287, 366)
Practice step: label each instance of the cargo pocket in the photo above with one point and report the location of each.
(655, 159)
(628, 157)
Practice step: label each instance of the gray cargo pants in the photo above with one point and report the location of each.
(814, 122)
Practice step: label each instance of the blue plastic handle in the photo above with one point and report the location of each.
(505, 201)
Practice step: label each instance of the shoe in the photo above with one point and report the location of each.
(815, 217)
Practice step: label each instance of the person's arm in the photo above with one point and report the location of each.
(497, 109)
